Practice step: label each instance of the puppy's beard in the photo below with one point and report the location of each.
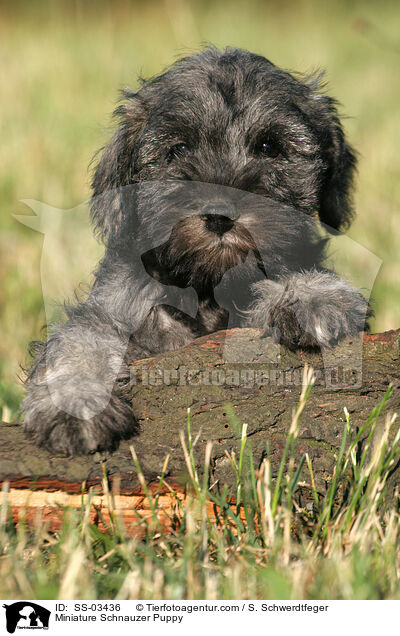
(201, 255)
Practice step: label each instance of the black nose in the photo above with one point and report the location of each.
(219, 217)
(218, 224)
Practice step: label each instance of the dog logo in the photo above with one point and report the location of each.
(214, 259)
(26, 615)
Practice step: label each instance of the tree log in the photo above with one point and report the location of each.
(214, 376)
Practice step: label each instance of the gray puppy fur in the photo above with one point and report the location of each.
(213, 178)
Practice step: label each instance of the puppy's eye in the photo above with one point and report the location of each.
(177, 151)
(268, 148)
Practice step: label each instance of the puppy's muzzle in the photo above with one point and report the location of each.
(219, 218)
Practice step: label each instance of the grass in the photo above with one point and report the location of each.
(267, 546)
(61, 67)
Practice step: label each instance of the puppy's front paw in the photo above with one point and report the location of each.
(309, 310)
(62, 433)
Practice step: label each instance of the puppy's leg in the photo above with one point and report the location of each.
(73, 404)
(308, 309)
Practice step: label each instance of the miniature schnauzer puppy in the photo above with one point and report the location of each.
(209, 189)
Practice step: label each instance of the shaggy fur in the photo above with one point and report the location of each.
(213, 179)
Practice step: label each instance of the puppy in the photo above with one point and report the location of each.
(212, 181)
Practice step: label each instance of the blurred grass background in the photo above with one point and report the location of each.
(62, 63)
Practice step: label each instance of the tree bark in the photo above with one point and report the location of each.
(227, 372)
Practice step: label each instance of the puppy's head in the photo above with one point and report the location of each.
(232, 119)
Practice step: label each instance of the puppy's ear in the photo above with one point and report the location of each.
(335, 209)
(115, 168)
